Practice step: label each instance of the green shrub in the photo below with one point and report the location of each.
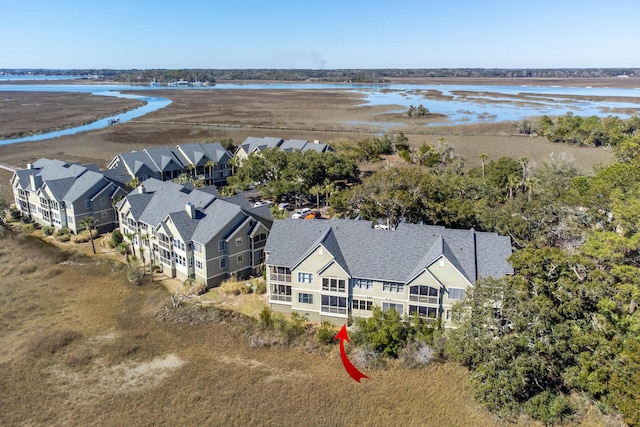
(266, 317)
(63, 231)
(63, 237)
(385, 332)
(123, 248)
(47, 230)
(326, 333)
(548, 408)
(116, 238)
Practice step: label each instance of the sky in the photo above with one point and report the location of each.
(328, 34)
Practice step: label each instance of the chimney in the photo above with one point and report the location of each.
(36, 181)
(141, 189)
(191, 210)
(30, 166)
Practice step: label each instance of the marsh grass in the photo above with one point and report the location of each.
(85, 346)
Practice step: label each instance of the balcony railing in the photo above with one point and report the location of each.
(279, 297)
(334, 310)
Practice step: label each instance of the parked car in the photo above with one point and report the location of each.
(261, 203)
(284, 206)
(300, 213)
(313, 215)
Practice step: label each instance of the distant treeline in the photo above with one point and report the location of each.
(341, 75)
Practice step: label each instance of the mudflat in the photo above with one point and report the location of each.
(312, 114)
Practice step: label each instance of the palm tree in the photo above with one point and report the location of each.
(210, 165)
(88, 222)
(483, 158)
(190, 169)
(130, 236)
(234, 162)
(316, 190)
(329, 188)
(146, 238)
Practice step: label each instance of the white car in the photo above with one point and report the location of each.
(300, 213)
(261, 203)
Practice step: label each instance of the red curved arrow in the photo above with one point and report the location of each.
(351, 370)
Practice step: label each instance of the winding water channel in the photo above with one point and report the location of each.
(462, 104)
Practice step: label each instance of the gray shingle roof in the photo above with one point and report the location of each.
(200, 154)
(389, 255)
(66, 181)
(253, 143)
(290, 145)
(162, 199)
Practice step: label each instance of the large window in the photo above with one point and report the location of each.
(425, 294)
(280, 292)
(333, 304)
(333, 284)
(362, 305)
(363, 283)
(393, 306)
(305, 298)
(392, 287)
(305, 277)
(456, 293)
(280, 274)
(422, 311)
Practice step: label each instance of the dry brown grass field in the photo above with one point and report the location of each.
(80, 345)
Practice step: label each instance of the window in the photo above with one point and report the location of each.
(223, 262)
(258, 257)
(393, 306)
(198, 264)
(392, 287)
(221, 245)
(441, 262)
(87, 204)
(456, 293)
(281, 274)
(363, 283)
(178, 244)
(305, 298)
(362, 305)
(197, 247)
(333, 284)
(424, 294)
(103, 201)
(305, 277)
(422, 311)
(180, 260)
(260, 238)
(333, 304)
(280, 292)
(239, 241)
(239, 259)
